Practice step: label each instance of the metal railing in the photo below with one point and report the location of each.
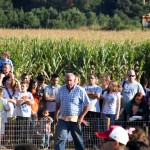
(19, 132)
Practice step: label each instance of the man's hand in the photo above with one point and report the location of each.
(80, 119)
(55, 120)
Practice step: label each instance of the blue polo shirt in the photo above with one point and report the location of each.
(73, 102)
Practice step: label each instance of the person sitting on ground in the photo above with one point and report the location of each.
(115, 138)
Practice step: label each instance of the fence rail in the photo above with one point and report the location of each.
(18, 132)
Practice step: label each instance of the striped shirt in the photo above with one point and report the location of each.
(73, 102)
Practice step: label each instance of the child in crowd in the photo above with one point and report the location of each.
(33, 89)
(45, 125)
(24, 100)
(4, 60)
(111, 105)
(134, 115)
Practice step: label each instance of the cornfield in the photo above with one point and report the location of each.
(62, 55)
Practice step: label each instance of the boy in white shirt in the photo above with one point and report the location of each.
(24, 100)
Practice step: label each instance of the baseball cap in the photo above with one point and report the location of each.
(116, 133)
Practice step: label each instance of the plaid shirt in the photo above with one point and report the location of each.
(72, 103)
(45, 124)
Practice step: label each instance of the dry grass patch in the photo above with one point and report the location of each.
(82, 34)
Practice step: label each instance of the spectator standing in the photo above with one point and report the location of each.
(93, 91)
(72, 104)
(78, 79)
(25, 78)
(40, 93)
(131, 87)
(9, 92)
(111, 104)
(50, 93)
(34, 107)
(24, 100)
(105, 80)
(33, 89)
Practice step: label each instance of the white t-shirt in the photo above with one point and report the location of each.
(110, 102)
(12, 111)
(24, 110)
(52, 91)
(130, 89)
(3, 113)
(94, 102)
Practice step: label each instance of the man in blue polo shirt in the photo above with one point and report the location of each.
(72, 104)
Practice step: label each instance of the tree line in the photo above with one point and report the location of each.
(70, 14)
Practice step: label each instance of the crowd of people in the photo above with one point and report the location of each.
(28, 100)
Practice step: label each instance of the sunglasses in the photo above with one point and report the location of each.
(131, 76)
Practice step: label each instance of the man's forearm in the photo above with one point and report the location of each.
(49, 98)
(85, 110)
(93, 95)
(57, 110)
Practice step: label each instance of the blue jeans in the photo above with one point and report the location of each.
(45, 139)
(111, 116)
(63, 127)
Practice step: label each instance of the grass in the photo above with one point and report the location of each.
(81, 34)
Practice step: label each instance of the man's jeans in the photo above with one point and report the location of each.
(63, 127)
